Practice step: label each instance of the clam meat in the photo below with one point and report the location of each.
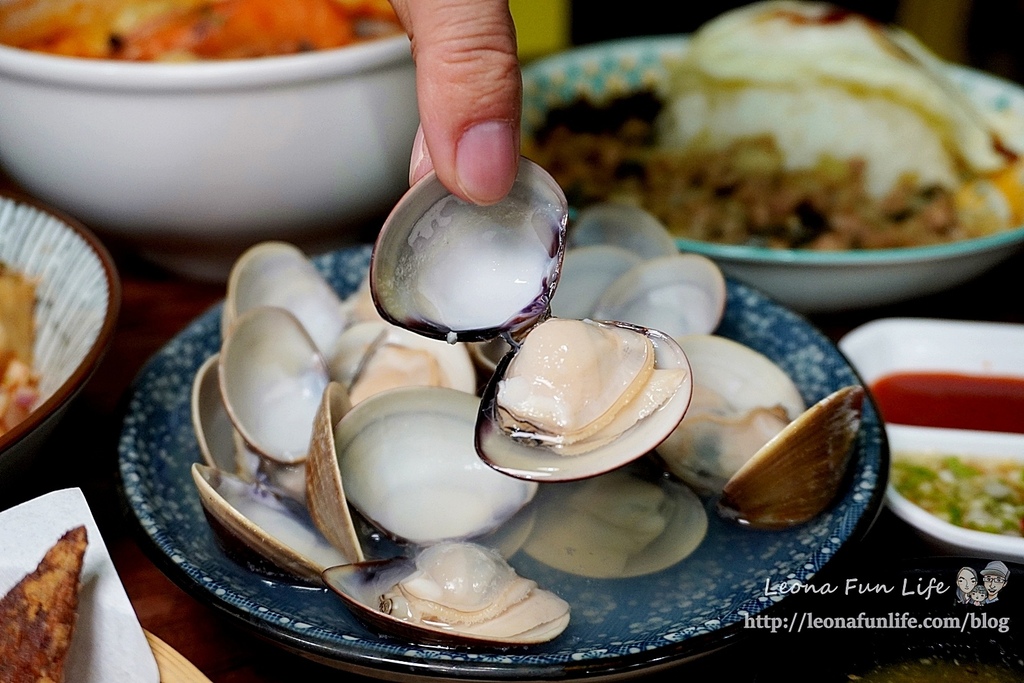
(451, 591)
(601, 393)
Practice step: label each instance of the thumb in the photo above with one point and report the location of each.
(469, 90)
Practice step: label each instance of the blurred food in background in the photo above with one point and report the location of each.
(19, 385)
(177, 30)
(796, 125)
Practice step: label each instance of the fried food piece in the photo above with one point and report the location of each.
(37, 616)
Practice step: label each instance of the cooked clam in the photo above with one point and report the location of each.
(263, 529)
(460, 272)
(374, 356)
(796, 475)
(272, 377)
(579, 398)
(407, 463)
(741, 399)
(451, 592)
(279, 274)
(628, 522)
(678, 294)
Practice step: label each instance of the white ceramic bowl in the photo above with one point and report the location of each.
(189, 163)
(891, 345)
(78, 295)
(807, 281)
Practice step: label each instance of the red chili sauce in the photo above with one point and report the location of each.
(956, 401)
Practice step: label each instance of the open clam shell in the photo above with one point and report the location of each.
(408, 465)
(622, 225)
(586, 273)
(604, 404)
(374, 356)
(450, 593)
(628, 522)
(798, 473)
(741, 399)
(325, 494)
(457, 271)
(266, 531)
(679, 294)
(210, 420)
(272, 377)
(279, 274)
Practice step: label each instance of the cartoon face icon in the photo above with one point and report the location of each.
(979, 595)
(994, 576)
(994, 583)
(966, 580)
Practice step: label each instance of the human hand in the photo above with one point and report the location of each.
(469, 90)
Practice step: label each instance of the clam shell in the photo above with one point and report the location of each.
(272, 377)
(628, 522)
(678, 294)
(533, 616)
(798, 473)
(407, 461)
(626, 226)
(325, 494)
(214, 431)
(452, 270)
(279, 274)
(586, 273)
(262, 529)
(526, 458)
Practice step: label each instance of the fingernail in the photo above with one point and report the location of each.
(485, 161)
(419, 162)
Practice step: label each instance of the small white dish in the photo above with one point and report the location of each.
(965, 444)
(108, 644)
(891, 345)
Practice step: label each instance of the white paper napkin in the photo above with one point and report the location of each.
(108, 644)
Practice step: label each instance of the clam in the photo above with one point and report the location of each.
(263, 529)
(796, 475)
(628, 522)
(678, 294)
(580, 398)
(373, 356)
(622, 225)
(461, 592)
(586, 273)
(406, 461)
(279, 274)
(741, 399)
(750, 440)
(456, 271)
(272, 377)
(222, 446)
(325, 495)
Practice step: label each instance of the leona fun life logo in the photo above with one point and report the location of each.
(978, 588)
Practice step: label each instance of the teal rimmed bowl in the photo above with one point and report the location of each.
(804, 280)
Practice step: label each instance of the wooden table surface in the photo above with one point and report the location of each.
(156, 305)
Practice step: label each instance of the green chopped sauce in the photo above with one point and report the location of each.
(985, 494)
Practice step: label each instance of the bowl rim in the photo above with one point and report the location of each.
(127, 76)
(90, 362)
(857, 258)
(672, 46)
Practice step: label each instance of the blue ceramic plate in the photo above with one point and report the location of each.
(618, 626)
(804, 280)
